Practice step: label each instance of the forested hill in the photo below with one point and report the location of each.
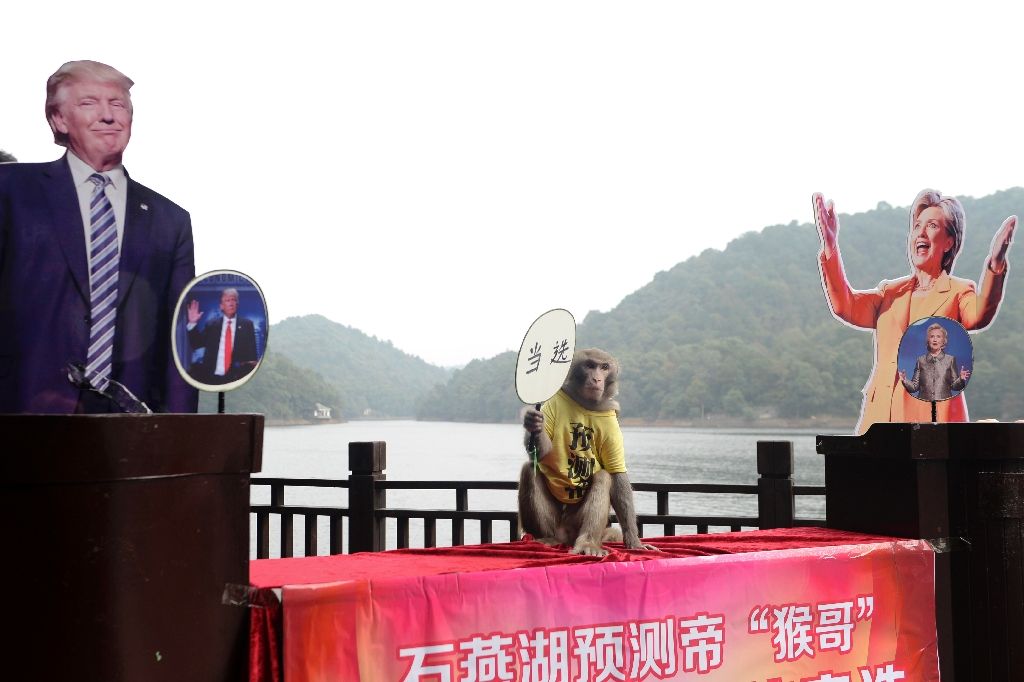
(746, 332)
(312, 360)
(372, 376)
(281, 390)
(743, 333)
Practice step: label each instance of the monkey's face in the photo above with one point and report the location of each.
(593, 377)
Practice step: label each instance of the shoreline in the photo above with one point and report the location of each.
(831, 424)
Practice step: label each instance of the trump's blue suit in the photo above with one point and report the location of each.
(44, 293)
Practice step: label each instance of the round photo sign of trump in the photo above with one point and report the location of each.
(220, 329)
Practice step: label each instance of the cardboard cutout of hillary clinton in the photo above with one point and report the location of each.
(935, 235)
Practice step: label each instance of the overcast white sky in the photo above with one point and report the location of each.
(440, 173)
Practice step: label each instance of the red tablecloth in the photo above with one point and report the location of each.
(264, 574)
(528, 554)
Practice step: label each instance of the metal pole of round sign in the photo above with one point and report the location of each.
(544, 359)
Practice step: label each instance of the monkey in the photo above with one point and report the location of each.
(581, 473)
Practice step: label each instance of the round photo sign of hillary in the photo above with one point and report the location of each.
(220, 330)
(935, 359)
(545, 356)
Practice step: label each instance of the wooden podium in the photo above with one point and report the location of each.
(961, 486)
(122, 533)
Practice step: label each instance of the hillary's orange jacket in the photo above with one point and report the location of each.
(889, 310)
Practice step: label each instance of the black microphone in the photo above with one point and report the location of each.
(115, 391)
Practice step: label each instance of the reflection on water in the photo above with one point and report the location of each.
(456, 451)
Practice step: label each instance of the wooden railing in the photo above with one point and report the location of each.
(368, 512)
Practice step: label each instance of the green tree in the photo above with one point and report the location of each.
(735, 403)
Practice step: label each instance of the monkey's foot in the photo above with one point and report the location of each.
(588, 547)
(550, 542)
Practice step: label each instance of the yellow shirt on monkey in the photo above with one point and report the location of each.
(583, 442)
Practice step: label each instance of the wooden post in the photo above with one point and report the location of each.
(366, 530)
(287, 526)
(310, 544)
(337, 534)
(775, 500)
(459, 525)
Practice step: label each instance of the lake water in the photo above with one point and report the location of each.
(456, 451)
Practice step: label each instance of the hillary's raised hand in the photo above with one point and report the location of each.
(828, 224)
(1001, 244)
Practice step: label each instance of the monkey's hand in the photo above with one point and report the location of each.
(533, 421)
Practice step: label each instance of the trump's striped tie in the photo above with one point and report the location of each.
(103, 263)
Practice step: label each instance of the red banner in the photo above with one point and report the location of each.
(853, 613)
